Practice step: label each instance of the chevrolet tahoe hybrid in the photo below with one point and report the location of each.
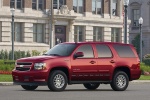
(87, 63)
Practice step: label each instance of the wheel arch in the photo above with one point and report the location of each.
(124, 69)
(61, 68)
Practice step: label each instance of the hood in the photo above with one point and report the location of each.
(36, 58)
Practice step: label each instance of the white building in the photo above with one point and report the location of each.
(73, 20)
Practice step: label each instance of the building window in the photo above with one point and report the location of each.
(0, 31)
(38, 33)
(136, 16)
(97, 34)
(58, 3)
(17, 4)
(115, 35)
(78, 6)
(79, 33)
(114, 4)
(38, 4)
(97, 6)
(18, 32)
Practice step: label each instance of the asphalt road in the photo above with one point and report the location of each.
(135, 91)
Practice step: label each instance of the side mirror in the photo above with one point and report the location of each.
(78, 54)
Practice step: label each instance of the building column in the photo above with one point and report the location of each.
(107, 34)
(47, 33)
(70, 36)
(27, 6)
(6, 2)
(122, 35)
(28, 32)
(69, 3)
(0, 31)
(89, 33)
(106, 8)
(53, 32)
(120, 8)
(48, 4)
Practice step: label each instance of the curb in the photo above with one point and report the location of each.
(140, 81)
(135, 81)
(6, 83)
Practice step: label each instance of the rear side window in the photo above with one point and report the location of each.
(87, 50)
(124, 51)
(103, 51)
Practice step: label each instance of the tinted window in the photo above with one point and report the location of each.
(124, 51)
(61, 50)
(103, 51)
(87, 50)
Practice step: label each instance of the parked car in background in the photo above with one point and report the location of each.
(87, 63)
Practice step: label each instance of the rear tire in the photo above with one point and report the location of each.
(57, 81)
(120, 81)
(28, 87)
(91, 86)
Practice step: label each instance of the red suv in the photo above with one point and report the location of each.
(87, 63)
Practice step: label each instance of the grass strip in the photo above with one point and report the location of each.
(5, 78)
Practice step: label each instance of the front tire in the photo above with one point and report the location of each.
(120, 81)
(91, 86)
(28, 87)
(57, 81)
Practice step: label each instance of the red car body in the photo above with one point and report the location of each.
(100, 66)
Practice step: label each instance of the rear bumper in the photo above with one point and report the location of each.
(135, 74)
(30, 77)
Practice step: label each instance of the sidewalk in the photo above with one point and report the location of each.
(135, 81)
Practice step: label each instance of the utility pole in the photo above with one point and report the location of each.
(51, 25)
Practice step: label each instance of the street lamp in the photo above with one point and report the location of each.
(51, 25)
(12, 31)
(126, 2)
(140, 23)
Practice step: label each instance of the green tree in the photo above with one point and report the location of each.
(136, 43)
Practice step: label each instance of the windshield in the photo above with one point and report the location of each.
(61, 50)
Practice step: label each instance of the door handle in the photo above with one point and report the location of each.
(92, 62)
(112, 61)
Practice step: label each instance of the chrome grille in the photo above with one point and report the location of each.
(22, 69)
(23, 66)
(24, 63)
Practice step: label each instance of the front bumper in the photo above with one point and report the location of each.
(30, 77)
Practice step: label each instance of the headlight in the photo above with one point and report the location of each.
(39, 66)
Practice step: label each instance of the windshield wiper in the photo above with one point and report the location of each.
(45, 54)
(55, 54)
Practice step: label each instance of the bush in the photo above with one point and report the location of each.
(136, 43)
(7, 55)
(146, 61)
(2, 54)
(7, 65)
(28, 54)
(35, 53)
(147, 56)
(145, 67)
